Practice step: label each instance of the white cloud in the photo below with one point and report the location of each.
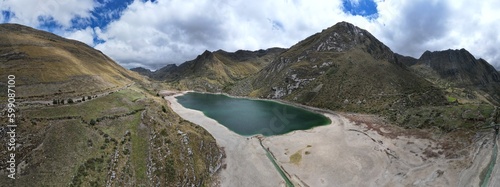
(174, 31)
(29, 12)
(411, 27)
(84, 35)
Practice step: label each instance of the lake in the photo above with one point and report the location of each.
(250, 116)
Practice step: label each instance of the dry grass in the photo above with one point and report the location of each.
(66, 66)
(58, 145)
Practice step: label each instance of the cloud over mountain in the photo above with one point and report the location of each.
(155, 33)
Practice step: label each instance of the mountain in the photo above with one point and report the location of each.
(46, 64)
(163, 72)
(83, 120)
(471, 78)
(142, 71)
(213, 71)
(342, 68)
(406, 60)
(345, 68)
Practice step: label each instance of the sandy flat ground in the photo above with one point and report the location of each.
(495, 179)
(343, 154)
(246, 161)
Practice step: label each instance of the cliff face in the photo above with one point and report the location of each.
(462, 70)
(461, 67)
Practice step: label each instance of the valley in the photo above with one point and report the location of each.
(396, 120)
(84, 120)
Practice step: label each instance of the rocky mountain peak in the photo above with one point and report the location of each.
(206, 54)
(450, 61)
(460, 67)
(450, 55)
(343, 37)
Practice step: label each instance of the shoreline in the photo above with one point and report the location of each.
(298, 106)
(279, 101)
(344, 149)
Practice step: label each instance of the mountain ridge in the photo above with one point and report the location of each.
(460, 69)
(83, 120)
(214, 70)
(63, 66)
(345, 68)
(326, 59)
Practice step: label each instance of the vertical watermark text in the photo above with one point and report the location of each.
(11, 126)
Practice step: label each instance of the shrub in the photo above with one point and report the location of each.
(163, 109)
(54, 101)
(83, 98)
(92, 122)
(70, 101)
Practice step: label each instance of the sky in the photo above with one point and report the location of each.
(154, 33)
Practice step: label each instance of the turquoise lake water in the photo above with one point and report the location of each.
(250, 117)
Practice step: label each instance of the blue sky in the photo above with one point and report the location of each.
(154, 33)
(365, 8)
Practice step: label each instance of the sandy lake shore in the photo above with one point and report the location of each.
(344, 153)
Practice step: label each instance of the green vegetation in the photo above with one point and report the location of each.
(113, 104)
(451, 99)
(119, 124)
(113, 137)
(447, 118)
(139, 149)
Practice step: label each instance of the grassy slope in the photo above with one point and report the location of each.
(70, 151)
(132, 142)
(46, 64)
(217, 71)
